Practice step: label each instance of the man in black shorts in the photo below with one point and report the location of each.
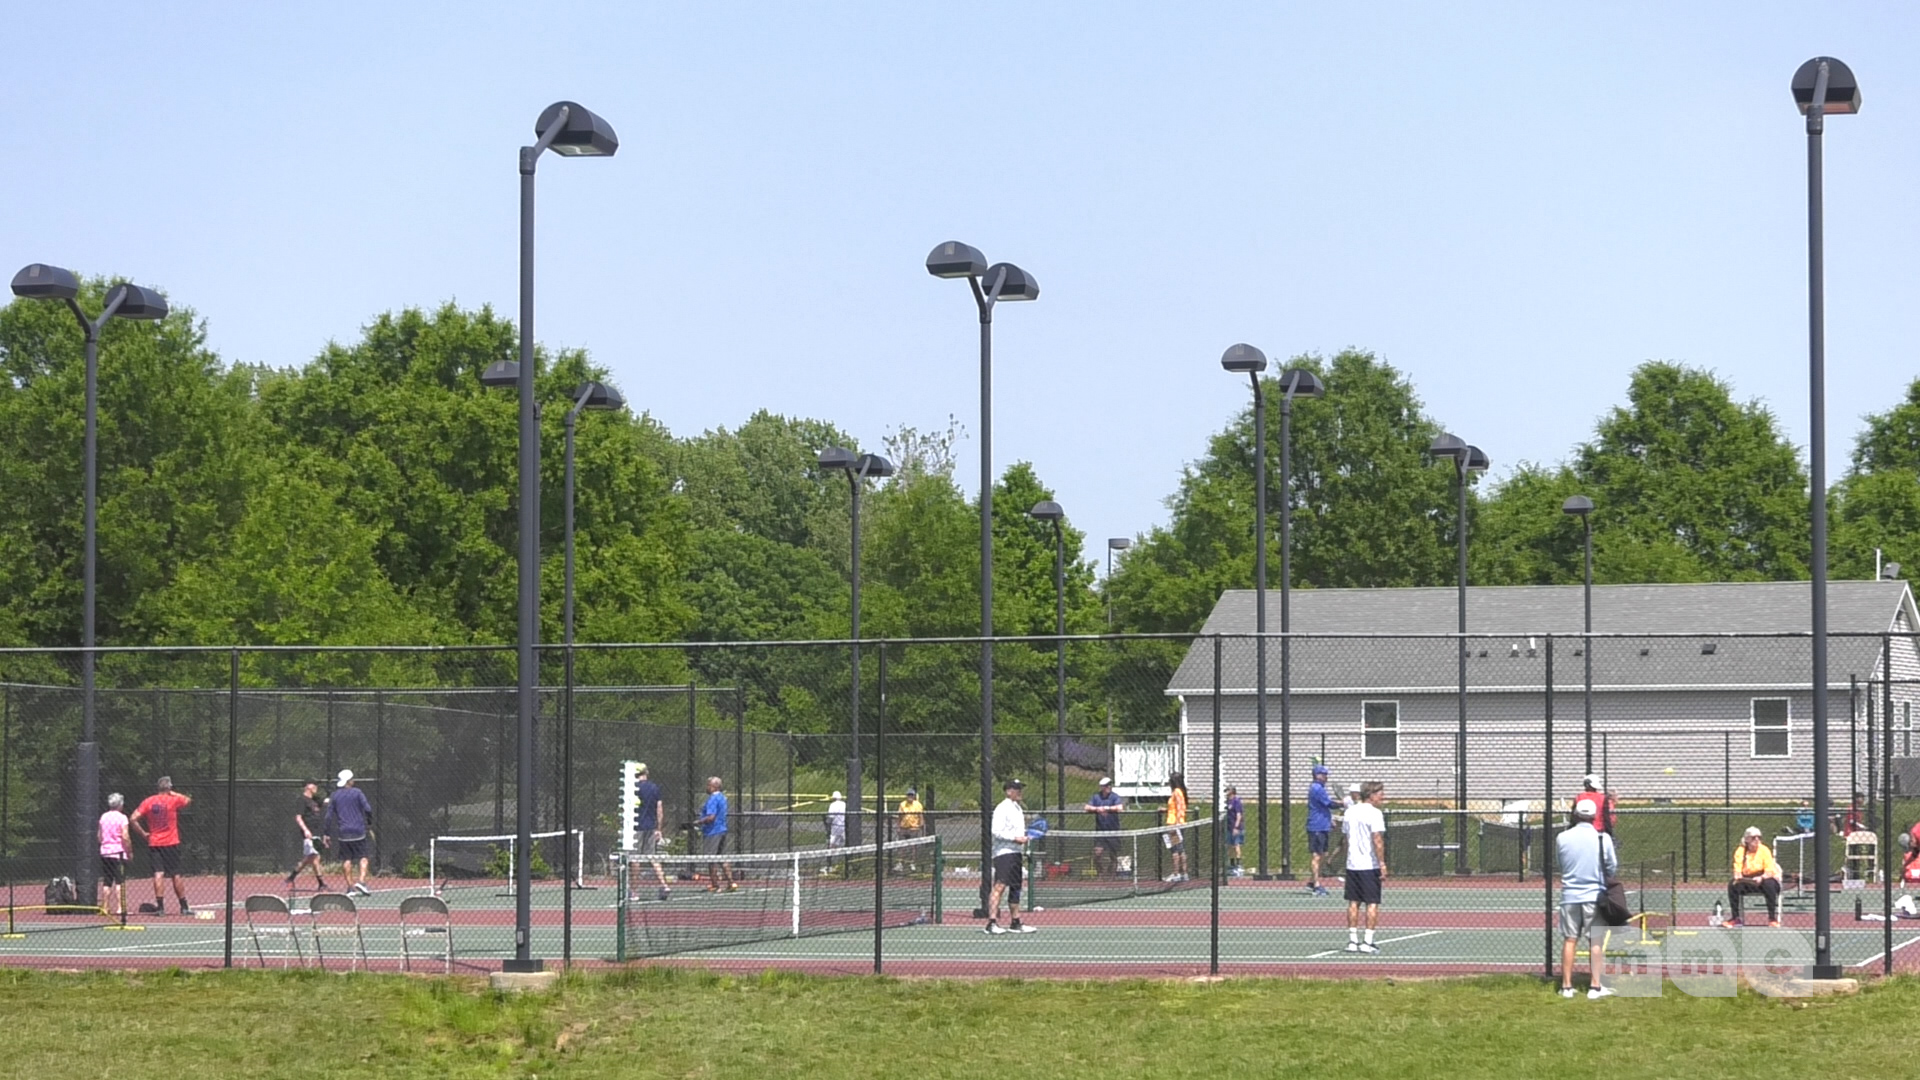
(1366, 829)
(307, 816)
(1009, 849)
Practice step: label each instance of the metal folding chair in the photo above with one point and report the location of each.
(269, 916)
(336, 915)
(425, 917)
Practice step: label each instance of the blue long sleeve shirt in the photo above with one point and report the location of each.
(348, 814)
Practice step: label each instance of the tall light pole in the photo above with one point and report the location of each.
(125, 301)
(1049, 511)
(990, 285)
(1297, 382)
(1114, 543)
(570, 131)
(857, 467)
(1466, 459)
(1823, 85)
(1582, 507)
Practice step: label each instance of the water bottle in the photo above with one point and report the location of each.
(1718, 918)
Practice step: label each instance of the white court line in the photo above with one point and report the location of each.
(1883, 954)
(165, 945)
(1382, 941)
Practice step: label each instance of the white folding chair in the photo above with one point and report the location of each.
(269, 916)
(425, 917)
(336, 915)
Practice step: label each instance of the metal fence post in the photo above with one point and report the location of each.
(879, 813)
(1213, 907)
(1547, 846)
(567, 870)
(1886, 802)
(233, 753)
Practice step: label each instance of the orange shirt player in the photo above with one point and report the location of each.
(157, 820)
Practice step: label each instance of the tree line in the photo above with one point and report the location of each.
(366, 497)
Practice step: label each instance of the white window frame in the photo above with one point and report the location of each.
(1754, 729)
(1365, 731)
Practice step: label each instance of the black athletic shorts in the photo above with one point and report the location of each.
(112, 871)
(355, 848)
(1363, 886)
(1007, 871)
(1317, 842)
(166, 860)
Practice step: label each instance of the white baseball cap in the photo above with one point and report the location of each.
(1353, 789)
(837, 795)
(1592, 780)
(1106, 781)
(1753, 830)
(346, 777)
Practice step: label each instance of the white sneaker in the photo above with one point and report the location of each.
(1353, 946)
(994, 928)
(1020, 928)
(1599, 992)
(1568, 991)
(1370, 947)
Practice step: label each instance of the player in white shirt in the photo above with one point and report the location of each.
(1366, 833)
(1009, 849)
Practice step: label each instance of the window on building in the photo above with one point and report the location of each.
(1380, 729)
(1906, 729)
(1771, 737)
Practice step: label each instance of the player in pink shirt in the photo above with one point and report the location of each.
(115, 850)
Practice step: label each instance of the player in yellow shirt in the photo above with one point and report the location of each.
(1754, 871)
(912, 823)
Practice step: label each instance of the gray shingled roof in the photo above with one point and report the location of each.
(1509, 614)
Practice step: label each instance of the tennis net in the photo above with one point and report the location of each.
(1419, 848)
(771, 896)
(1074, 866)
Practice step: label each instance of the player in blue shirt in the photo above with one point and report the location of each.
(1104, 805)
(1236, 831)
(1319, 825)
(713, 837)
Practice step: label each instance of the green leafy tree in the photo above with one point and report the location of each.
(1877, 504)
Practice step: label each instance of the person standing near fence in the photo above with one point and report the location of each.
(116, 847)
(1009, 851)
(1366, 829)
(1236, 831)
(1104, 805)
(309, 816)
(837, 821)
(1587, 859)
(713, 837)
(1175, 837)
(1604, 820)
(653, 811)
(157, 820)
(349, 819)
(1319, 827)
(912, 822)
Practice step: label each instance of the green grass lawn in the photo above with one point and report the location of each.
(675, 1023)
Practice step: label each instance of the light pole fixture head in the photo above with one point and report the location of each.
(873, 465)
(1119, 543)
(584, 133)
(1843, 93)
(1890, 572)
(501, 373)
(1244, 359)
(1305, 383)
(837, 459)
(1577, 505)
(1477, 460)
(1018, 285)
(1448, 446)
(598, 394)
(954, 259)
(137, 302)
(42, 282)
(1047, 510)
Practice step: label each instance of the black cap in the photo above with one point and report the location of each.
(1011, 784)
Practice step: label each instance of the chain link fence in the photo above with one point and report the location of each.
(859, 803)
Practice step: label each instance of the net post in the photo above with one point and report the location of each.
(622, 905)
(433, 875)
(796, 895)
(939, 880)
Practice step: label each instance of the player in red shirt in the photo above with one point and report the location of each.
(157, 820)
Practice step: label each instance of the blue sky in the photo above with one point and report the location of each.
(1513, 203)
